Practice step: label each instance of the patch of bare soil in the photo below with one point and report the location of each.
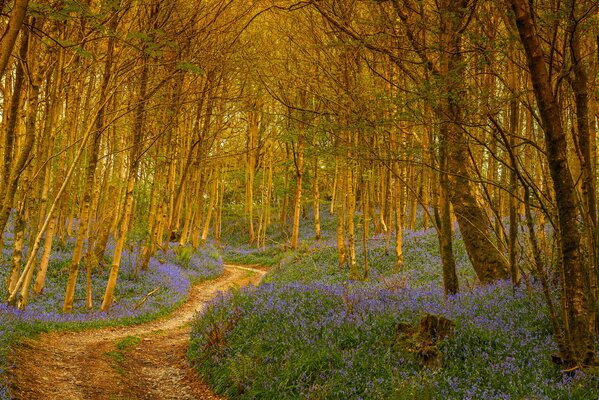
(123, 363)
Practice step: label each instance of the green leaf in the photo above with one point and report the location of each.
(138, 35)
(186, 66)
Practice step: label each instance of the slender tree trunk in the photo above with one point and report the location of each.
(186, 224)
(316, 201)
(198, 136)
(487, 260)
(366, 221)
(389, 208)
(212, 205)
(334, 189)
(120, 243)
(148, 248)
(443, 217)
(197, 222)
(30, 127)
(88, 186)
(578, 312)
(13, 167)
(285, 200)
(297, 203)
(9, 37)
(218, 215)
(254, 121)
(514, 215)
(17, 251)
(580, 87)
(341, 207)
(36, 242)
(128, 201)
(351, 214)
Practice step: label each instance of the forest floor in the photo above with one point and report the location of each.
(121, 363)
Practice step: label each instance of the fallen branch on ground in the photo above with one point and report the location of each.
(146, 297)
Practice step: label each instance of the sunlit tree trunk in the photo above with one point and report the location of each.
(351, 212)
(366, 220)
(9, 37)
(485, 257)
(218, 215)
(334, 187)
(252, 140)
(14, 164)
(52, 118)
(396, 196)
(88, 185)
(586, 138)
(36, 70)
(297, 203)
(285, 199)
(578, 312)
(340, 210)
(107, 213)
(316, 200)
(149, 247)
(131, 178)
(212, 204)
(513, 185)
(443, 217)
(197, 220)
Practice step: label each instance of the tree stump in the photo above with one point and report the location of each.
(423, 341)
(434, 328)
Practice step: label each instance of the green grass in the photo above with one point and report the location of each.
(308, 332)
(268, 257)
(118, 356)
(127, 342)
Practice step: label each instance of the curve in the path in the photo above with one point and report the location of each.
(151, 363)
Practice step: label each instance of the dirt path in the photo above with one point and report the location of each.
(124, 363)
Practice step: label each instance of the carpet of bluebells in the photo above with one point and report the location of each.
(172, 274)
(307, 332)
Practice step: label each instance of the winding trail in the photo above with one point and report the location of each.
(88, 365)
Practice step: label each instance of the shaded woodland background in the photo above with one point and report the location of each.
(146, 123)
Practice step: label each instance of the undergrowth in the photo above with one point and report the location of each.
(309, 332)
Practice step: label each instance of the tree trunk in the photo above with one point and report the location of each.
(443, 217)
(514, 215)
(341, 207)
(253, 125)
(580, 87)
(211, 205)
(351, 214)
(297, 203)
(578, 312)
(316, 201)
(487, 260)
(13, 167)
(9, 37)
(132, 175)
(366, 220)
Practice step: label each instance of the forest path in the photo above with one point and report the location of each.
(150, 363)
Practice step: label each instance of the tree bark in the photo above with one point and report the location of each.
(443, 219)
(13, 167)
(487, 260)
(578, 310)
(131, 179)
(316, 201)
(297, 203)
(341, 207)
(17, 16)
